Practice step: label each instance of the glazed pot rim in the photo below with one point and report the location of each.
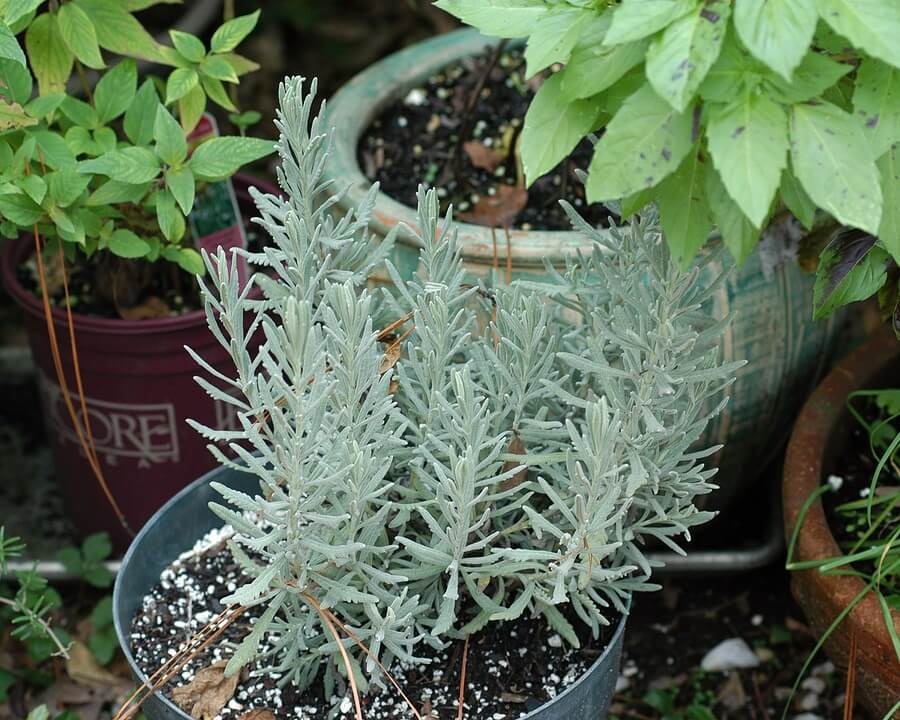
(15, 251)
(353, 108)
(819, 420)
(123, 632)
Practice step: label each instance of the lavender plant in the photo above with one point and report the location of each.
(441, 455)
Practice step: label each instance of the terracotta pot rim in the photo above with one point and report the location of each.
(16, 251)
(819, 420)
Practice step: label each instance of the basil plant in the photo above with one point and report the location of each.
(724, 113)
(106, 166)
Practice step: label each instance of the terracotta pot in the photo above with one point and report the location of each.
(822, 433)
(771, 307)
(139, 386)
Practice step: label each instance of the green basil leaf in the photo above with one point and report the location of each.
(554, 38)
(498, 18)
(190, 261)
(815, 74)
(20, 209)
(637, 19)
(80, 113)
(796, 200)
(748, 141)
(119, 31)
(889, 229)
(217, 93)
(15, 81)
(41, 107)
(679, 59)
(9, 46)
(181, 184)
(778, 32)
(34, 187)
(53, 149)
(553, 127)
(169, 217)
(832, 159)
(851, 268)
(738, 233)
(876, 100)
(18, 9)
(871, 25)
(113, 192)
(219, 68)
(644, 143)
(67, 185)
(191, 107)
(683, 209)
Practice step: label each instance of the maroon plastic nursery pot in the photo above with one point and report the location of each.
(139, 390)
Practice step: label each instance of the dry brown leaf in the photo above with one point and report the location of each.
(732, 694)
(84, 669)
(258, 714)
(516, 447)
(209, 691)
(513, 698)
(500, 209)
(482, 156)
(152, 307)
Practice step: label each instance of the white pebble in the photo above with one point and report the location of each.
(730, 654)
(836, 482)
(554, 641)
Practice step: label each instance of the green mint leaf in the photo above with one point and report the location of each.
(52, 149)
(748, 141)
(113, 191)
(41, 107)
(221, 157)
(871, 25)
(232, 33)
(219, 68)
(637, 19)
(169, 217)
(9, 46)
(876, 100)
(181, 184)
(831, 157)
(777, 32)
(126, 244)
(119, 31)
(216, 92)
(116, 90)
(133, 165)
(16, 10)
(683, 209)
(852, 267)
(67, 185)
(33, 186)
(171, 144)
(71, 559)
(50, 58)
(79, 34)
(679, 59)
(645, 142)
(553, 127)
(15, 81)
(79, 112)
(181, 82)
(140, 117)
(190, 261)
(191, 48)
(191, 107)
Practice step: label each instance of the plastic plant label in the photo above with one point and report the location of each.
(216, 220)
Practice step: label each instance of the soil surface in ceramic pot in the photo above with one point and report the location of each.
(460, 131)
(512, 668)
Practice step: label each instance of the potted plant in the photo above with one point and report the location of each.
(98, 188)
(770, 297)
(425, 474)
(840, 511)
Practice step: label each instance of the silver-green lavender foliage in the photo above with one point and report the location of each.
(515, 460)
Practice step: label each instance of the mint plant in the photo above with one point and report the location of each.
(108, 167)
(442, 455)
(725, 112)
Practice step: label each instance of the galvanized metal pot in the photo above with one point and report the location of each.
(772, 308)
(187, 517)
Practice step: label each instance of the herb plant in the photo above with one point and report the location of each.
(724, 112)
(444, 455)
(107, 167)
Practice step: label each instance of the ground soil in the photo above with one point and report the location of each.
(458, 132)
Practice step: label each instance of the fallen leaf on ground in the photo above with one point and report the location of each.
(516, 447)
(732, 694)
(499, 209)
(209, 691)
(482, 156)
(258, 714)
(515, 698)
(152, 307)
(85, 670)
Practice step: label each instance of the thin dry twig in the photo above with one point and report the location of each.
(462, 679)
